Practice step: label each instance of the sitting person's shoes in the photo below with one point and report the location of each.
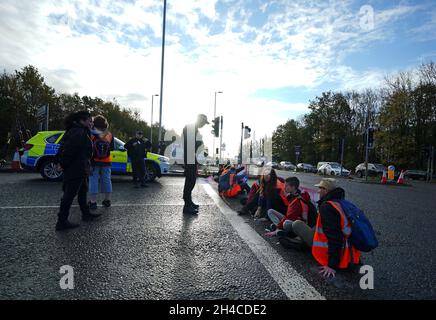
(64, 225)
(92, 205)
(284, 233)
(273, 227)
(188, 209)
(289, 243)
(90, 216)
(106, 203)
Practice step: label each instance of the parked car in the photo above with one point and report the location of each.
(415, 174)
(272, 164)
(374, 169)
(286, 165)
(321, 163)
(40, 150)
(306, 167)
(333, 170)
(260, 163)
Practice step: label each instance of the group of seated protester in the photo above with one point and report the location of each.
(299, 224)
(232, 181)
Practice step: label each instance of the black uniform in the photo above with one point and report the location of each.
(137, 151)
(75, 159)
(190, 161)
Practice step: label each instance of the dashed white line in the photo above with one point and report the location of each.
(294, 285)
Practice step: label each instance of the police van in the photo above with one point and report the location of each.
(40, 150)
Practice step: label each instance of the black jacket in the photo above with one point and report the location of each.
(76, 152)
(197, 143)
(137, 148)
(331, 224)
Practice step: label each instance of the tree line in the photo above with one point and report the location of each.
(402, 112)
(24, 91)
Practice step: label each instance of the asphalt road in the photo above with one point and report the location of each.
(143, 247)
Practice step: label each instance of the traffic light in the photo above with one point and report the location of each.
(247, 132)
(370, 138)
(216, 127)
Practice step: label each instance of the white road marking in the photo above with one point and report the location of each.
(113, 205)
(294, 285)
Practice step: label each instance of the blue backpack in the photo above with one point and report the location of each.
(362, 234)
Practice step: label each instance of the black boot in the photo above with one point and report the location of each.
(64, 225)
(195, 206)
(188, 209)
(88, 216)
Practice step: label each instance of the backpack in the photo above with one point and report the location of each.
(362, 234)
(312, 214)
(101, 146)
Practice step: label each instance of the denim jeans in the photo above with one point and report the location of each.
(276, 217)
(100, 175)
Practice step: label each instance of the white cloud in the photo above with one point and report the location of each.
(301, 45)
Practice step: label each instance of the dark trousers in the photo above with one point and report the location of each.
(138, 170)
(72, 188)
(252, 205)
(190, 180)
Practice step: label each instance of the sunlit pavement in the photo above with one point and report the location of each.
(143, 247)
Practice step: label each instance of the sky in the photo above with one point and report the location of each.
(269, 58)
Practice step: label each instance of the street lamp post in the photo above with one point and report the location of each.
(214, 116)
(162, 73)
(151, 120)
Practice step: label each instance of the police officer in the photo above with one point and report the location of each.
(137, 150)
(75, 159)
(191, 143)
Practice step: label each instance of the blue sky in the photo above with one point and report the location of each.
(270, 58)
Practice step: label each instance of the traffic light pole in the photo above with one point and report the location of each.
(342, 153)
(214, 116)
(221, 138)
(432, 163)
(366, 155)
(242, 137)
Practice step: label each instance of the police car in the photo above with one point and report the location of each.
(40, 150)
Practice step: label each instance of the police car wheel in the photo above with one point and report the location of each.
(50, 172)
(150, 172)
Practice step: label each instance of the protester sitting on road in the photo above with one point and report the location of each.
(75, 160)
(103, 144)
(298, 209)
(250, 204)
(329, 239)
(271, 194)
(137, 150)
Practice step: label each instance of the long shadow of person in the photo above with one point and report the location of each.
(185, 276)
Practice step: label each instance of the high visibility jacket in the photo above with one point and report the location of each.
(108, 137)
(235, 188)
(320, 247)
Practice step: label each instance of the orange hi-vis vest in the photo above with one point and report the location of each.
(349, 254)
(108, 138)
(235, 188)
(281, 186)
